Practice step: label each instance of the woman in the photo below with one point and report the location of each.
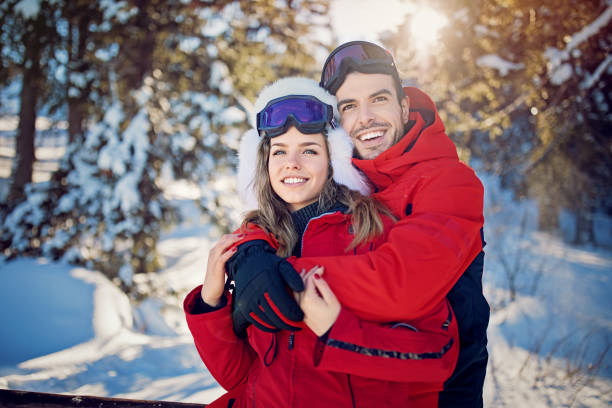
(309, 202)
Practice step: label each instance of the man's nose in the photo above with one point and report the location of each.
(365, 115)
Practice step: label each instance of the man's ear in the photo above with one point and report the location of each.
(405, 105)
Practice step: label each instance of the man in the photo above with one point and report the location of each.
(435, 248)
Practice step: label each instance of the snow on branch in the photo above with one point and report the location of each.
(496, 62)
(28, 8)
(590, 80)
(558, 67)
(590, 30)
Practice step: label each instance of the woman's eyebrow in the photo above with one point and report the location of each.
(301, 144)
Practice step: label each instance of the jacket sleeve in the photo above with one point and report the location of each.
(254, 232)
(425, 253)
(227, 357)
(424, 350)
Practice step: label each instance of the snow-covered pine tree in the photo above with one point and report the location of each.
(168, 93)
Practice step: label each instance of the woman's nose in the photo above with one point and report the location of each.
(292, 161)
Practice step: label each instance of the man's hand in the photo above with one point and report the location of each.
(260, 289)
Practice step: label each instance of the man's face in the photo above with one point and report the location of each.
(370, 112)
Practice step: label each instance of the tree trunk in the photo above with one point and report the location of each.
(585, 232)
(548, 216)
(75, 120)
(24, 154)
(77, 42)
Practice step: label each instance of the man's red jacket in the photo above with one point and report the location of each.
(439, 202)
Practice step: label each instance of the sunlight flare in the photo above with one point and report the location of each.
(425, 27)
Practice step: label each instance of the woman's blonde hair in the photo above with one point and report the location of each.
(274, 216)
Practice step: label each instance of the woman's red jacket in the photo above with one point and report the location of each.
(358, 364)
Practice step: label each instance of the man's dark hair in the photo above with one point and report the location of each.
(359, 56)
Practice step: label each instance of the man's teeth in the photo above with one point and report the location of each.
(294, 180)
(371, 135)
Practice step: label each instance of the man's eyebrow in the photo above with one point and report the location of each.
(383, 91)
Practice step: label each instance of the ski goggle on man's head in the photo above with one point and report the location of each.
(361, 56)
(308, 114)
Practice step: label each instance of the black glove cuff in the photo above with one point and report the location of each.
(200, 307)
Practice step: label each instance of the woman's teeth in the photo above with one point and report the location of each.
(294, 180)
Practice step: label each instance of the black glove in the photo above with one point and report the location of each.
(260, 289)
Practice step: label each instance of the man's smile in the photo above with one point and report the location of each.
(370, 138)
(371, 135)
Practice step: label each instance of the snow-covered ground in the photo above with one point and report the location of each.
(70, 330)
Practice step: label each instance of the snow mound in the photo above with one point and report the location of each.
(64, 305)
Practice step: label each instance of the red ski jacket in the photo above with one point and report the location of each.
(358, 363)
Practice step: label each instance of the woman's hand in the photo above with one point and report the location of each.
(320, 305)
(214, 281)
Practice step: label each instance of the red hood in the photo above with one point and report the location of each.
(425, 140)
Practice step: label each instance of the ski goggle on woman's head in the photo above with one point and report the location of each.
(361, 56)
(308, 114)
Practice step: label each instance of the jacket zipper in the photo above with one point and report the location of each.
(292, 370)
(254, 383)
(291, 340)
(350, 385)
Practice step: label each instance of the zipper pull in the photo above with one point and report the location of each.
(291, 340)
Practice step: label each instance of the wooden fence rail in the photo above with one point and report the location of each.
(30, 399)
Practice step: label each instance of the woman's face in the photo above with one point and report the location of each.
(298, 167)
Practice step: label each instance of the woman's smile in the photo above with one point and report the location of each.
(294, 181)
